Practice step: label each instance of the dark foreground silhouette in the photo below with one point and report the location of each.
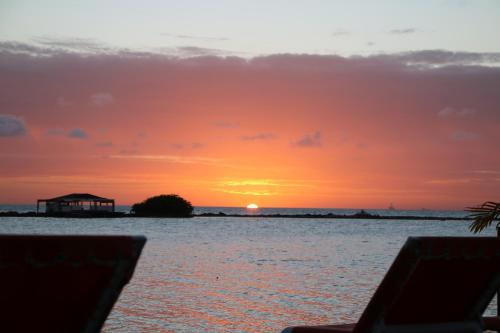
(435, 284)
(63, 283)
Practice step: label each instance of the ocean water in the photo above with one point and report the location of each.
(224, 274)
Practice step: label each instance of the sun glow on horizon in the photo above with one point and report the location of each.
(252, 206)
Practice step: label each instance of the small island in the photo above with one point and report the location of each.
(164, 205)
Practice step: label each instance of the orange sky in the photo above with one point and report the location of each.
(280, 131)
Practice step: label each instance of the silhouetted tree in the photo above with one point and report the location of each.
(484, 216)
(164, 205)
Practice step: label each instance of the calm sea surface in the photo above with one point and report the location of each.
(223, 274)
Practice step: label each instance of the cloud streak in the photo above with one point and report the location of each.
(404, 31)
(195, 37)
(260, 136)
(171, 158)
(448, 112)
(63, 102)
(72, 44)
(462, 136)
(101, 99)
(226, 124)
(309, 140)
(340, 33)
(77, 133)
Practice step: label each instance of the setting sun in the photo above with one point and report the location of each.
(252, 206)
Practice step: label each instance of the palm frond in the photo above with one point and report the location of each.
(483, 215)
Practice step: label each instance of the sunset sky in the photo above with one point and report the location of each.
(355, 104)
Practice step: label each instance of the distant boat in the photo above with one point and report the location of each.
(391, 207)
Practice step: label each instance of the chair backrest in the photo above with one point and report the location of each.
(435, 284)
(63, 283)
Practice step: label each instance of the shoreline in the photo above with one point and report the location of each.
(362, 215)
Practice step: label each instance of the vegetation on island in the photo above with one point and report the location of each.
(164, 205)
(484, 215)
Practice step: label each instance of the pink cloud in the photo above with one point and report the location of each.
(63, 102)
(309, 140)
(77, 133)
(101, 99)
(409, 109)
(260, 136)
(452, 112)
(464, 136)
(11, 126)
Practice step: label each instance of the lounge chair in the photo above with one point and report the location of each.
(63, 283)
(435, 285)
